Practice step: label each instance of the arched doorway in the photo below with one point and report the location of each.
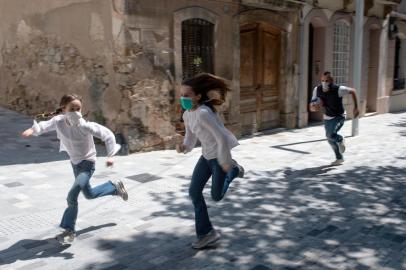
(260, 44)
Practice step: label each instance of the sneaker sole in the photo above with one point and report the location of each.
(123, 190)
(208, 244)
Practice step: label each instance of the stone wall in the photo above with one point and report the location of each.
(51, 48)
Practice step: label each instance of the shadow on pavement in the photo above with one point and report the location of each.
(30, 249)
(402, 124)
(315, 218)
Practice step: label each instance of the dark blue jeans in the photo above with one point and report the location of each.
(332, 127)
(220, 181)
(83, 172)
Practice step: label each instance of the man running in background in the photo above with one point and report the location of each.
(329, 98)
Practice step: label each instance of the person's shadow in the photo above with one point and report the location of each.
(30, 249)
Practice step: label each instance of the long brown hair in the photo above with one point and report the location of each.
(203, 83)
(65, 100)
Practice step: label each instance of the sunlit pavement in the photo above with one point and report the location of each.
(291, 211)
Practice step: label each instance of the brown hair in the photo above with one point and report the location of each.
(203, 83)
(65, 100)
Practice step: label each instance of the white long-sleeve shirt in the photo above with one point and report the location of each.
(77, 141)
(216, 140)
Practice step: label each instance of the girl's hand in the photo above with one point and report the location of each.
(110, 162)
(180, 148)
(27, 133)
(226, 168)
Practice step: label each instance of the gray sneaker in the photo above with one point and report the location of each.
(341, 146)
(241, 170)
(207, 240)
(65, 237)
(337, 162)
(121, 191)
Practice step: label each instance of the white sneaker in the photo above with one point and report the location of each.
(341, 146)
(206, 240)
(121, 191)
(65, 237)
(337, 162)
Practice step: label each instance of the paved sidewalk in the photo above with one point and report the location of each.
(292, 211)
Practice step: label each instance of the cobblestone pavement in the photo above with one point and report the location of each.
(292, 211)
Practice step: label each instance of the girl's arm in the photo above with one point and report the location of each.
(105, 135)
(223, 151)
(40, 128)
(190, 140)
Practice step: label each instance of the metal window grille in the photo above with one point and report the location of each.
(341, 52)
(197, 47)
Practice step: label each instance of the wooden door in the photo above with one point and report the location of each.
(259, 77)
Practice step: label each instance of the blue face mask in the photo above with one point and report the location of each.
(186, 102)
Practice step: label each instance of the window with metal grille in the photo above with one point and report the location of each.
(197, 47)
(341, 52)
(399, 73)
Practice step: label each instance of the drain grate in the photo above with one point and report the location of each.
(144, 177)
(13, 184)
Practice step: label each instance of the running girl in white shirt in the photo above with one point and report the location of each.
(203, 123)
(76, 138)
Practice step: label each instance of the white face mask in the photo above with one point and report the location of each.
(325, 85)
(73, 118)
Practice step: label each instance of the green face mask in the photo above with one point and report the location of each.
(186, 102)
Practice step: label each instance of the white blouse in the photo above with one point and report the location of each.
(77, 141)
(216, 140)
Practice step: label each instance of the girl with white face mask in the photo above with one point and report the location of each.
(76, 138)
(203, 123)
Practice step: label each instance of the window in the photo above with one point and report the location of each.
(197, 47)
(341, 52)
(399, 74)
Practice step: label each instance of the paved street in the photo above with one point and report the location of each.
(292, 211)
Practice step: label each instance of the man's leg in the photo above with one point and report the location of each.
(332, 127)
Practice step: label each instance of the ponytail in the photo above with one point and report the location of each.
(65, 100)
(45, 115)
(203, 83)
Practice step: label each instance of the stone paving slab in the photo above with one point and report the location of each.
(291, 211)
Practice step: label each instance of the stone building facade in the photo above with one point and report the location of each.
(127, 59)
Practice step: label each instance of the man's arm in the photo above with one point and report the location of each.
(315, 103)
(348, 90)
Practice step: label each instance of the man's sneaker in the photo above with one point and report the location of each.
(337, 162)
(341, 146)
(241, 170)
(206, 240)
(121, 190)
(65, 237)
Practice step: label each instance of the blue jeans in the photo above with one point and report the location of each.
(220, 182)
(83, 172)
(332, 127)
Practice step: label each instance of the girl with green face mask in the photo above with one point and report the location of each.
(203, 123)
